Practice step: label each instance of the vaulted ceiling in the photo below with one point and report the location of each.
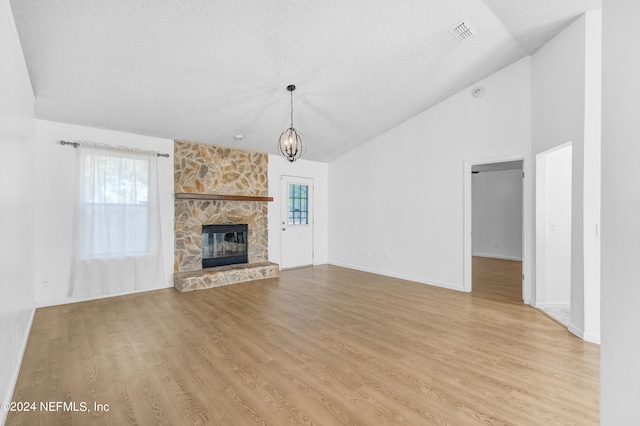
(209, 70)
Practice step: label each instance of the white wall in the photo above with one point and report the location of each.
(396, 202)
(497, 214)
(55, 177)
(16, 204)
(620, 351)
(566, 93)
(301, 168)
(553, 230)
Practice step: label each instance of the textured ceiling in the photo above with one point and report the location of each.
(208, 70)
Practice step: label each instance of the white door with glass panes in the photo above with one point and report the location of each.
(296, 242)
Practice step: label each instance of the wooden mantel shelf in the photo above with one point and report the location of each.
(220, 197)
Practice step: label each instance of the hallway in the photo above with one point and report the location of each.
(497, 279)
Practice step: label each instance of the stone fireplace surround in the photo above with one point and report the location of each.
(216, 185)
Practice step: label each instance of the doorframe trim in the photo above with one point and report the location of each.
(526, 220)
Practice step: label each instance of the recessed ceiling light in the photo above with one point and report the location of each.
(478, 92)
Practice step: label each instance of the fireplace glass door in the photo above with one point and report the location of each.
(224, 245)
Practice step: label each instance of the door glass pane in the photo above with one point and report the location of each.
(298, 204)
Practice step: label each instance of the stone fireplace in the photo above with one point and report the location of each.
(216, 186)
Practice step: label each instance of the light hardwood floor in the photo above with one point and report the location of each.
(322, 345)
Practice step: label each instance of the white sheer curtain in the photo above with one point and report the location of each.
(117, 238)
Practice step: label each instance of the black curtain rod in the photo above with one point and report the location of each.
(77, 144)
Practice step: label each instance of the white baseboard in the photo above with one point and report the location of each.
(497, 256)
(552, 305)
(68, 300)
(587, 337)
(400, 276)
(575, 330)
(14, 378)
(591, 338)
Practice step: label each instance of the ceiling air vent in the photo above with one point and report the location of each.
(463, 32)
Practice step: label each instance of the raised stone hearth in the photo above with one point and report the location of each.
(224, 275)
(206, 169)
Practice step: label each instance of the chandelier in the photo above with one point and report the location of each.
(290, 144)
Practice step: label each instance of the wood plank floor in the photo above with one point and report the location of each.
(322, 345)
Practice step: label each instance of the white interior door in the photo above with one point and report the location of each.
(553, 227)
(296, 217)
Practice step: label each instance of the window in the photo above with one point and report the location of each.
(298, 204)
(115, 204)
(117, 233)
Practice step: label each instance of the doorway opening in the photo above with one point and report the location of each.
(499, 237)
(496, 223)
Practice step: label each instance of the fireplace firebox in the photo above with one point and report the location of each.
(224, 245)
